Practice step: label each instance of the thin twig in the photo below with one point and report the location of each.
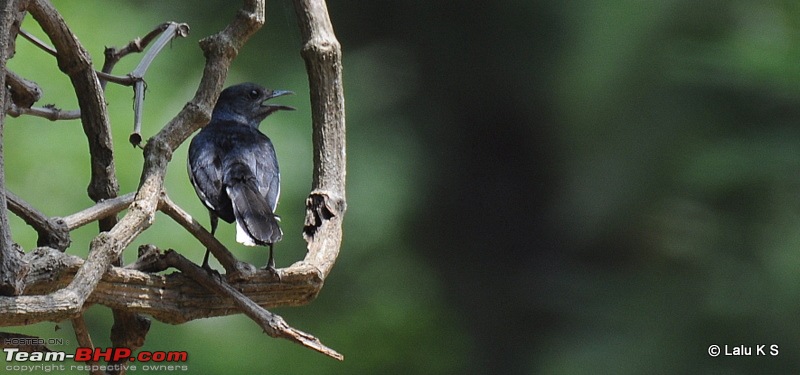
(38, 42)
(178, 30)
(49, 112)
(120, 80)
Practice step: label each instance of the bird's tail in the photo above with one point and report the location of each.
(256, 224)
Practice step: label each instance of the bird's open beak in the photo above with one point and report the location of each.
(269, 108)
(277, 93)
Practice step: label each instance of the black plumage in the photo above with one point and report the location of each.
(234, 169)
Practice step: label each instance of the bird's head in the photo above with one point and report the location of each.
(246, 102)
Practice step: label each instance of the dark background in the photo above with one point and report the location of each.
(533, 186)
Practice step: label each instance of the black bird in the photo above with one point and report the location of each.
(233, 167)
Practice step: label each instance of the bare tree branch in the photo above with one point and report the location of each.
(129, 331)
(23, 92)
(165, 32)
(49, 112)
(75, 62)
(325, 205)
(272, 324)
(102, 209)
(114, 55)
(233, 267)
(12, 268)
(220, 49)
(172, 298)
(84, 339)
(60, 285)
(38, 43)
(52, 232)
(172, 31)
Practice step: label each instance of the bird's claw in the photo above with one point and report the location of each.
(272, 271)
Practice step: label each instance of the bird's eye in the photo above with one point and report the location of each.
(254, 94)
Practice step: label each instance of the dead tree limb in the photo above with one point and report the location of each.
(325, 205)
(49, 112)
(23, 92)
(85, 340)
(12, 268)
(53, 232)
(171, 298)
(76, 63)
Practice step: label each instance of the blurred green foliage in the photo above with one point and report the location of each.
(533, 187)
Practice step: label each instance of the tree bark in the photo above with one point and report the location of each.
(325, 205)
(12, 268)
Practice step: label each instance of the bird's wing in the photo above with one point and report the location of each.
(262, 161)
(205, 172)
(269, 174)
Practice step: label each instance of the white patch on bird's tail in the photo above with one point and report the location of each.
(242, 237)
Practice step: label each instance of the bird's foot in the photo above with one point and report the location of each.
(274, 272)
(270, 267)
(205, 265)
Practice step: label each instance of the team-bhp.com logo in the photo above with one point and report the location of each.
(27, 361)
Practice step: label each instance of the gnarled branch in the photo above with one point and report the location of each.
(12, 269)
(107, 246)
(325, 205)
(172, 298)
(60, 285)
